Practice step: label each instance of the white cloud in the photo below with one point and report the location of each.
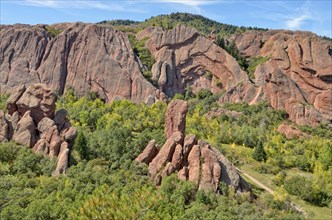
(296, 22)
(83, 4)
(41, 3)
(117, 5)
(193, 3)
(300, 16)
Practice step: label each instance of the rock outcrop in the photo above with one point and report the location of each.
(85, 57)
(185, 59)
(193, 160)
(149, 153)
(297, 77)
(89, 57)
(25, 131)
(4, 128)
(176, 117)
(31, 121)
(291, 132)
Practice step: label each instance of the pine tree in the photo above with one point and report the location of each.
(259, 153)
(81, 145)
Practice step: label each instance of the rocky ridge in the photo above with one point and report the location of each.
(297, 77)
(184, 59)
(85, 57)
(98, 58)
(31, 120)
(192, 159)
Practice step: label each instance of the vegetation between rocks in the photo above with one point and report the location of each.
(103, 175)
(144, 55)
(53, 31)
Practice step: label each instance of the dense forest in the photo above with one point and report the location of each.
(204, 25)
(103, 181)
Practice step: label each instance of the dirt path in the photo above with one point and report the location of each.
(269, 190)
(261, 185)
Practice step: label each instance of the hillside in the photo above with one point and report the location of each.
(176, 117)
(204, 25)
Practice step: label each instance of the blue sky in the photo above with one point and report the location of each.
(311, 15)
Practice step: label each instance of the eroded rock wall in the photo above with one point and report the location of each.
(297, 78)
(184, 59)
(86, 57)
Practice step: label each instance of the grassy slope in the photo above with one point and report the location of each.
(314, 212)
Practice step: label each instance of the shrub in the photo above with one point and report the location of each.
(53, 31)
(254, 63)
(204, 93)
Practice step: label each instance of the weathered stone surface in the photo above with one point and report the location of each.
(291, 132)
(176, 117)
(220, 111)
(231, 177)
(168, 170)
(323, 103)
(13, 98)
(25, 132)
(86, 57)
(184, 58)
(15, 118)
(296, 78)
(42, 147)
(149, 153)
(178, 137)
(189, 141)
(4, 128)
(194, 164)
(70, 135)
(12, 121)
(45, 125)
(165, 155)
(55, 144)
(216, 171)
(177, 157)
(37, 128)
(48, 134)
(211, 170)
(39, 100)
(196, 161)
(183, 173)
(64, 146)
(62, 164)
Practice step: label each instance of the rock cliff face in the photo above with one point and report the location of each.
(86, 57)
(192, 159)
(185, 58)
(297, 77)
(32, 121)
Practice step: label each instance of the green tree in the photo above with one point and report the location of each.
(259, 153)
(81, 145)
